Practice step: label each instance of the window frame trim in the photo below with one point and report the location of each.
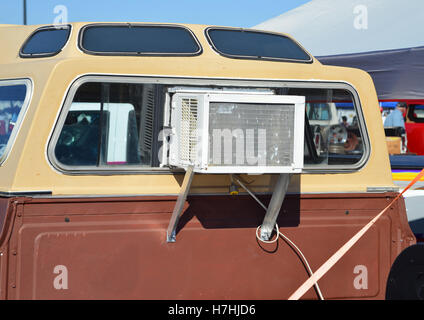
(235, 56)
(48, 54)
(22, 113)
(177, 80)
(133, 54)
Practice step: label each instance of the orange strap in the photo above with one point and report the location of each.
(341, 252)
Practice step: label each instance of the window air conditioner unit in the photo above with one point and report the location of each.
(237, 132)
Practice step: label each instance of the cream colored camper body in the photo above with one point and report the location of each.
(28, 168)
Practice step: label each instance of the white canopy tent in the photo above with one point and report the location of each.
(332, 27)
(383, 37)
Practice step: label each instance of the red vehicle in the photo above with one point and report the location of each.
(414, 123)
(414, 126)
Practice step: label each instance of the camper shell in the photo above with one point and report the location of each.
(84, 216)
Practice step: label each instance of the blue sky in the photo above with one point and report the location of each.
(236, 13)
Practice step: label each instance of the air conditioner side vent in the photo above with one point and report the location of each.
(188, 140)
(147, 119)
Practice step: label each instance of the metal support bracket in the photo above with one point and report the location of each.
(172, 227)
(274, 206)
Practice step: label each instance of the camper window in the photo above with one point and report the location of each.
(336, 143)
(133, 39)
(14, 99)
(119, 124)
(239, 43)
(46, 41)
(107, 125)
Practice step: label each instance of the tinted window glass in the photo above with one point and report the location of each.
(109, 124)
(419, 111)
(318, 111)
(46, 41)
(255, 45)
(139, 40)
(12, 98)
(333, 134)
(416, 112)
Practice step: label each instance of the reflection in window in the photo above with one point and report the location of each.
(419, 111)
(416, 112)
(333, 135)
(318, 111)
(12, 97)
(117, 125)
(109, 124)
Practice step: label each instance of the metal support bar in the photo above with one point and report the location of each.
(25, 12)
(172, 227)
(275, 205)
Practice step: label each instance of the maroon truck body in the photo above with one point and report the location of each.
(115, 248)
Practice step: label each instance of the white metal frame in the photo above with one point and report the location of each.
(205, 99)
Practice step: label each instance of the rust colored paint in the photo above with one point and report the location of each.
(115, 248)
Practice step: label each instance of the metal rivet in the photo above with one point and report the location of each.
(67, 219)
(347, 212)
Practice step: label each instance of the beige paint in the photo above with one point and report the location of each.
(27, 168)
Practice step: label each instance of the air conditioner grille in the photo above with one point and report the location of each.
(251, 134)
(188, 139)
